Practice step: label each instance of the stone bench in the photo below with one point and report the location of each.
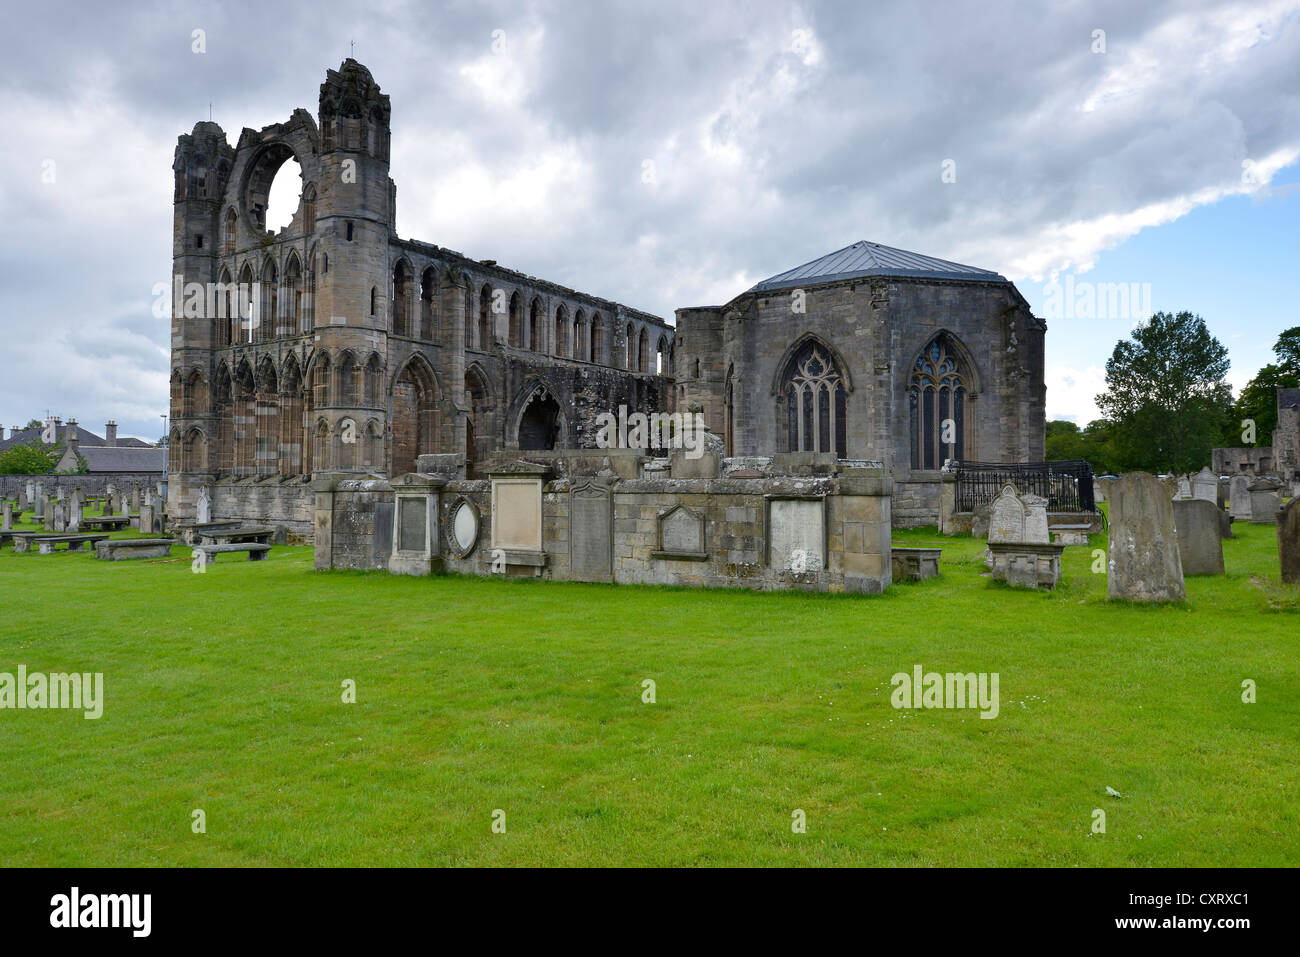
(207, 554)
(914, 564)
(46, 544)
(261, 534)
(116, 550)
(1070, 534)
(109, 523)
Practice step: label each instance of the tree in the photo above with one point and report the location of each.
(32, 458)
(1287, 350)
(1166, 396)
(1066, 441)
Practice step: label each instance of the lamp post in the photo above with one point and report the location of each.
(163, 416)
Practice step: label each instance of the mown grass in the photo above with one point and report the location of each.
(223, 693)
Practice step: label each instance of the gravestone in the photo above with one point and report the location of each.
(135, 497)
(1007, 517)
(681, 532)
(1239, 498)
(74, 512)
(1205, 486)
(383, 545)
(1265, 500)
(1020, 550)
(796, 534)
(1200, 541)
(147, 519)
(1143, 558)
(1225, 524)
(38, 516)
(8, 517)
(1288, 541)
(591, 532)
(205, 505)
(1098, 492)
(1184, 487)
(60, 522)
(30, 489)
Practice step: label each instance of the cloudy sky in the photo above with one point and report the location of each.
(668, 154)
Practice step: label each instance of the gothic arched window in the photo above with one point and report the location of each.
(937, 400)
(816, 400)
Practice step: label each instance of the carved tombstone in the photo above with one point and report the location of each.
(1200, 539)
(591, 531)
(8, 517)
(1288, 541)
(796, 534)
(1239, 498)
(1265, 500)
(1184, 487)
(1143, 557)
(1205, 486)
(204, 508)
(681, 534)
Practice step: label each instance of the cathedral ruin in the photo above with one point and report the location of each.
(333, 347)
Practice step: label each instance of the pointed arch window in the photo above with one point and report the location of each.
(937, 398)
(816, 398)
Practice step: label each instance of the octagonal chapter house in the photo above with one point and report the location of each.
(872, 353)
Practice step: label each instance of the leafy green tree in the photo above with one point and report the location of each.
(1166, 396)
(1258, 400)
(1287, 350)
(1066, 441)
(31, 458)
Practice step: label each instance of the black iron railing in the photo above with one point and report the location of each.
(1067, 486)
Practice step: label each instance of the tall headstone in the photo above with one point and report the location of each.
(1143, 557)
(1200, 539)
(1265, 500)
(1184, 487)
(60, 523)
(30, 488)
(1239, 498)
(204, 513)
(147, 519)
(591, 531)
(8, 517)
(1205, 486)
(135, 497)
(38, 515)
(74, 511)
(1288, 541)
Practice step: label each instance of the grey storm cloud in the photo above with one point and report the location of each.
(662, 154)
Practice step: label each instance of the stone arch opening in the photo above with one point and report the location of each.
(415, 423)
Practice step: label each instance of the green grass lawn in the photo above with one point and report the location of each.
(224, 693)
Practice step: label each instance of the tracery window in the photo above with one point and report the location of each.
(816, 399)
(937, 399)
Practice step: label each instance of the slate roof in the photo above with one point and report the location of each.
(864, 259)
(85, 439)
(117, 459)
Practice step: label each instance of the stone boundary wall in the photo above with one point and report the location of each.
(286, 501)
(354, 522)
(12, 486)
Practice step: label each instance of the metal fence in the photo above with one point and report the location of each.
(1067, 486)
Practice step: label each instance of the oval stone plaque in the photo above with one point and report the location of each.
(464, 527)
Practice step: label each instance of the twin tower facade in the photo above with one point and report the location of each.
(333, 345)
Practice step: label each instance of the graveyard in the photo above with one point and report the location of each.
(224, 692)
